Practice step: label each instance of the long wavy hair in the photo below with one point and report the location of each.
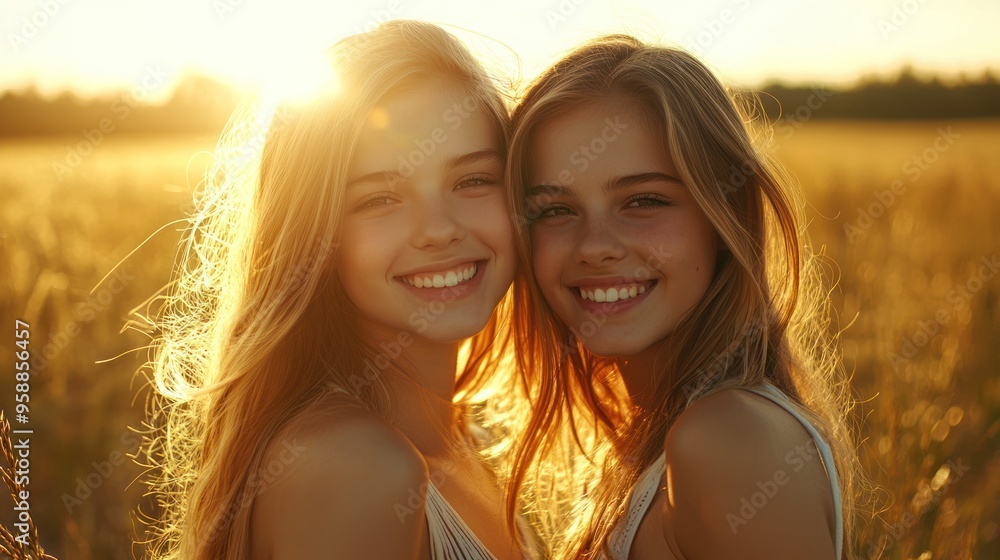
(254, 323)
(764, 317)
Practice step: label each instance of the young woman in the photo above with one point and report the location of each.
(666, 320)
(310, 402)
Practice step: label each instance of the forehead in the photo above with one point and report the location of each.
(432, 119)
(610, 136)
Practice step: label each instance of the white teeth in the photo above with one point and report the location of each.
(611, 295)
(447, 279)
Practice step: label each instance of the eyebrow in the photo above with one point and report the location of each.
(376, 177)
(613, 184)
(617, 183)
(450, 163)
(472, 157)
(539, 190)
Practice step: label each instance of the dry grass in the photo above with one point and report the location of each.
(10, 544)
(931, 419)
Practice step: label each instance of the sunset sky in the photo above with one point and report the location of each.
(91, 46)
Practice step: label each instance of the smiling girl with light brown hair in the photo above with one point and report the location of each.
(669, 322)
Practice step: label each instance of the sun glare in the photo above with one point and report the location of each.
(298, 79)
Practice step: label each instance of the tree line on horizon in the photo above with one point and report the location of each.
(203, 105)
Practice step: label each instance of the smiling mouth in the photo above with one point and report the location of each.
(613, 293)
(444, 278)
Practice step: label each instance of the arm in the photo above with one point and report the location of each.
(352, 490)
(743, 482)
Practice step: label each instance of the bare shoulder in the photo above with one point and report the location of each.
(343, 480)
(744, 478)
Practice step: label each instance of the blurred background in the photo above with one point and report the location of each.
(886, 112)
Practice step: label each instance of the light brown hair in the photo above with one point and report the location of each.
(764, 317)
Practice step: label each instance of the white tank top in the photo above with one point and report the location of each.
(450, 537)
(648, 484)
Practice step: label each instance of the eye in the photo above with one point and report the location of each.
(647, 201)
(375, 200)
(549, 211)
(477, 181)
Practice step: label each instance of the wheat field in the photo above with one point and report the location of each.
(903, 212)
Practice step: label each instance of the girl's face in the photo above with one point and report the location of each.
(621, 249)
(426, 247)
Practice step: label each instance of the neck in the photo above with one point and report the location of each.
(638, 373)
(421, 378)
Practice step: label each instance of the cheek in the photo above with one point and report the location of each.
(548, 257)
(363, 251)
(490, 218)
(487, 221)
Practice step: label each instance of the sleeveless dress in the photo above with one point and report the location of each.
(648, 483)
(450, 537)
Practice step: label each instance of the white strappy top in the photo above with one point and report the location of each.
(451, 538)
(648, 484)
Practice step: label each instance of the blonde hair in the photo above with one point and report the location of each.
(254, 323)
(763, 318)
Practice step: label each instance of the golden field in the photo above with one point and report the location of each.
(904, 213)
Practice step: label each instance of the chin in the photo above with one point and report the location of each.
(611, 348)
(446, 331)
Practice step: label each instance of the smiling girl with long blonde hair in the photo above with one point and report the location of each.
(669, 325)
(312, 400)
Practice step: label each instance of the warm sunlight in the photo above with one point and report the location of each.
(427, 280)
(94, 47)
(298, 79)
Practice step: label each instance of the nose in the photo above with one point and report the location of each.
(599, 243)
(438, 226)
